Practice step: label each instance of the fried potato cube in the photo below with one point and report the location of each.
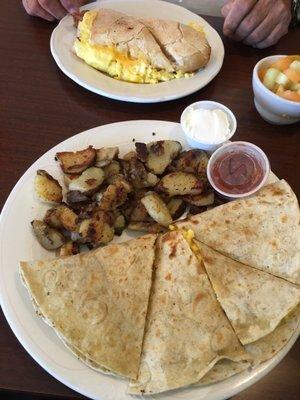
(179, 183)
(157, 209)
(47, 188)
(49, 238)
(77, 161)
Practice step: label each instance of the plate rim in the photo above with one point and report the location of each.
(134, 99)
(248, 378)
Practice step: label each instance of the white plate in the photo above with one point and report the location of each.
(64, 34)
(18, 243)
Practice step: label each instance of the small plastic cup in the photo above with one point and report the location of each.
(208, 105)
(247, 148)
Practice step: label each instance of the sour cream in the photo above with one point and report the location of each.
(207, 126)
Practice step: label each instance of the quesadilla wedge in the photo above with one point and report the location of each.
(97, 301)
(186, 331)
(262, 231)
(254, 301)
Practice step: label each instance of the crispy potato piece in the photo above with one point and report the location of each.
(135, 171)
(97, 230)
(202, 199)
(105, 155)
(179, 183)
(130, 156)
(47, 188)
(69, 249)
(119, 224)
(61, 217)
(157, 209)
(76, 162)
(114, 196)
(112, 169)
(68, 178)
(141, 151)
(48, 237)
(120, 180)
(176, 207)
(139, 213)
(202, 166)
(89, 181)
(160, 154)
(151, 227)
(191, 161)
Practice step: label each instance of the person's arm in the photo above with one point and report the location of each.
(259, 23)
(52, 9)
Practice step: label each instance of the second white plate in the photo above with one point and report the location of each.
(17, 242)
(64, 34)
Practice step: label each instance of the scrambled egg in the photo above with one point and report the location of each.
(189, 237)
(116, 64)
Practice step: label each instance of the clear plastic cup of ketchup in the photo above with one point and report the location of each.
(238, 169)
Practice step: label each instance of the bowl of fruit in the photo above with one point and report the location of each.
(276, 86)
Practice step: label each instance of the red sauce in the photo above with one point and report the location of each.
(237, 172)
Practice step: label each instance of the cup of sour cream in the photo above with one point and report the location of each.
(207, 125)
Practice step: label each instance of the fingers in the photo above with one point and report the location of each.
(271, 28)
(33, 8)
(53, 7)
(237, 12)
(226, 8)
(73, 5)
(273, 38)
(255, 17)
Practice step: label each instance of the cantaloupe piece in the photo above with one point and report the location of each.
(262, 73)
(290, 95)
(292, 75)
(283, 63)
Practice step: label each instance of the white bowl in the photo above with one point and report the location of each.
(271, 107)
(208, 105)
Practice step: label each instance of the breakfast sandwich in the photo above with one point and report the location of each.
(137, 50)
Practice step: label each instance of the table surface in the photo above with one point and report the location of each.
(41, 107)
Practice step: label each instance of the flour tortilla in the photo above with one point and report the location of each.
(262, 231)
(261, 350)
(186, 330)
(254, 301)
(97, 301)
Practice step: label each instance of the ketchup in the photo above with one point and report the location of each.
(237, 172)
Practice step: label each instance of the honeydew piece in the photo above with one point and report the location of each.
(270, 78)
(292, 75)
(295, 65)
(283, 80)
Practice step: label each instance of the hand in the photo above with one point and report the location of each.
(52, 9)
(259, 23)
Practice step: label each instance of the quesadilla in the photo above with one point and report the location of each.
(186, 331)
(262, 231)
(254, 301)
(97, 301)
(260, 351)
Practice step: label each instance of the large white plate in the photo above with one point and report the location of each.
(64, 34)
(18, 243)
